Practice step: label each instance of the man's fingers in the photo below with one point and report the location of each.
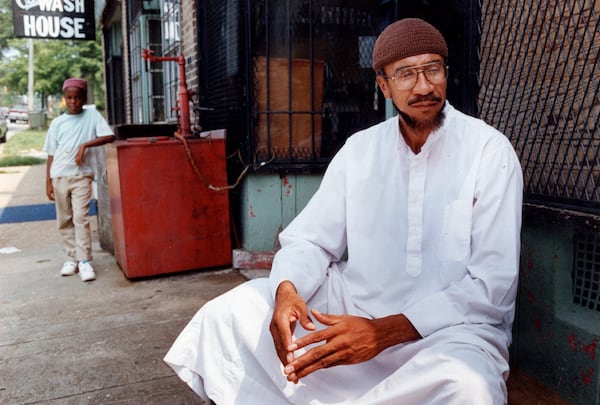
(307, 323)
(325, 319)
(294, 371)
(314, 337)
(312, 356)
(281, 333)
(279, 347)
(282, 328)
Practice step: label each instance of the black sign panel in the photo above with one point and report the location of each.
(54, 19)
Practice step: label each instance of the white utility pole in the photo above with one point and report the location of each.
(30, 76)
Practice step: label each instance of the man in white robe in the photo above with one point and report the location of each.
(397, 283)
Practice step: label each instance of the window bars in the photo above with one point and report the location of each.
(312, 77)
(586, 270)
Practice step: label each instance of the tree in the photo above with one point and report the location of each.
(13, 70)
(54, 61)
(6, 25)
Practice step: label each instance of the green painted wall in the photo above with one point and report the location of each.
(556, 339)
(269, 203)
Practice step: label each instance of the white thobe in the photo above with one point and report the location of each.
(433, 235)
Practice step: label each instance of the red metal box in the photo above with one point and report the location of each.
(164, 217)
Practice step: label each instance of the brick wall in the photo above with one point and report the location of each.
(189, 47)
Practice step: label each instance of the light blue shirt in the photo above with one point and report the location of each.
(66, 133)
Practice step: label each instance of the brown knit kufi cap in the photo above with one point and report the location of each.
(405, 38)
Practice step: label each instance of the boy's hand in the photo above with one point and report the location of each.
(50, 190)
(80, 155)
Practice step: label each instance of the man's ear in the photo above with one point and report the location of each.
(384, 86)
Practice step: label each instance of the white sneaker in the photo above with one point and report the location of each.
(68, 269)
(86, 272)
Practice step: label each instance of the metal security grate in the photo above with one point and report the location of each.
(586, 273)
(290, 80)
(312, 78)
(221, 72)
(540, 85)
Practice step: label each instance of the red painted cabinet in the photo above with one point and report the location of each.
(164, 217)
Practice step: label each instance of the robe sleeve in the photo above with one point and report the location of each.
(487, 292)
(316, 237)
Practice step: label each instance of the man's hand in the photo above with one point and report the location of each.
(289, 309)
(347, 340)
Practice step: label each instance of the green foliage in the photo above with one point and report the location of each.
(24, 142)
(6, 24)
(57, 60)
(9, 161)
(13, 71)
(54, 61)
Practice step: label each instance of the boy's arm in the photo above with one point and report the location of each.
(49, 187)
(101, 140)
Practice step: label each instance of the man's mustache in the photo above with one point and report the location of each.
(419, 99)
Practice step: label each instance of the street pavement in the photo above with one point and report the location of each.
(63, 341)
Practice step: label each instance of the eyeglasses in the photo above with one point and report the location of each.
(406, 78)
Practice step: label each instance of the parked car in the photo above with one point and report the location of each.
(18, 113)
(3, 128)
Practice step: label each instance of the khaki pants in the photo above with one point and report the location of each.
(72, 196)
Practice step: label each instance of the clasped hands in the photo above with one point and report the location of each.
(346, 339)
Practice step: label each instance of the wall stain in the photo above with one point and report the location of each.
(537, 323)
(589, 349)
(530, 297)
(572, 339)
(287, 186)
(587, 377)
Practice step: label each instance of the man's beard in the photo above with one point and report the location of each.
(429, 124)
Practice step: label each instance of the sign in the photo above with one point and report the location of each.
(54, 19)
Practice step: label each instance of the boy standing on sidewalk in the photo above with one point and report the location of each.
(69, 174)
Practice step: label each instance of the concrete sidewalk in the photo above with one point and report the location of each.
(63, 341)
